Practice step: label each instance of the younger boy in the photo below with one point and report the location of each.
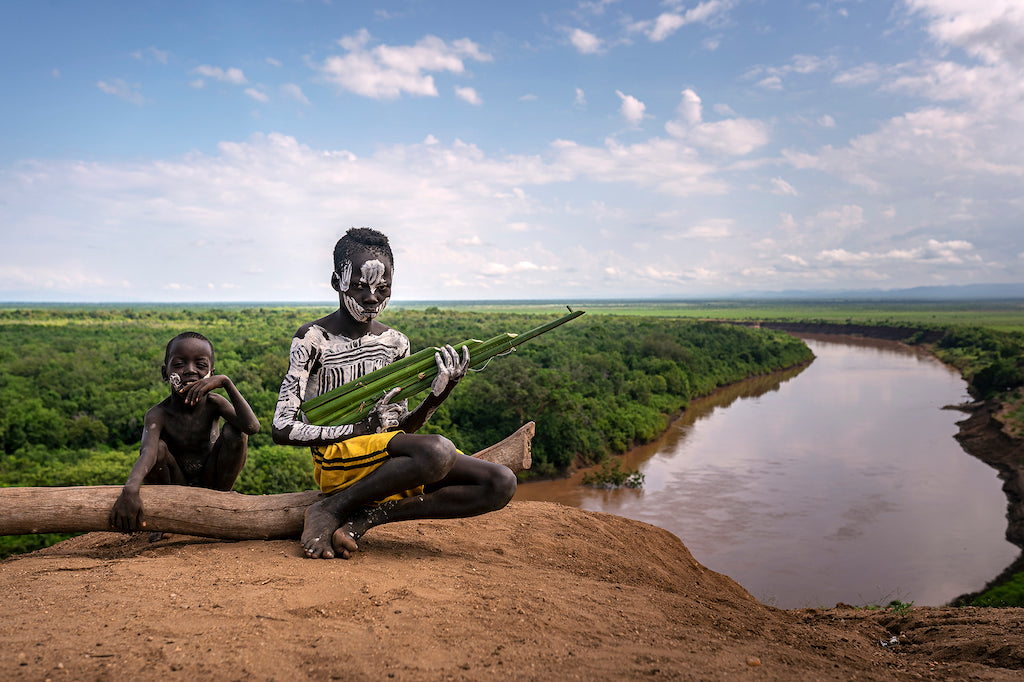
(182, 440)
(378, 470)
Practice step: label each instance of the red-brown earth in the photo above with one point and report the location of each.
(536, 591)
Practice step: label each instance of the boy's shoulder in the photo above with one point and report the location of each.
(315, 336)
(158, 412)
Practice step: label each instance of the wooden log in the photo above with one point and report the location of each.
(194, 511)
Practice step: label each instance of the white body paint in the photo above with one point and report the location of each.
(320, 362)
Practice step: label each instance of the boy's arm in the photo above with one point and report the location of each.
(289, 426)
(126, 515)
(237, 412)
(450, 370)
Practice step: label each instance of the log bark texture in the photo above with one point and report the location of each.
(194, 511)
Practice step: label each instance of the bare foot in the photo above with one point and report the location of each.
(317, 531)
(344, 541)
(345, 538)
(348, 534)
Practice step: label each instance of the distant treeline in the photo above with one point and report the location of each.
(75, 384)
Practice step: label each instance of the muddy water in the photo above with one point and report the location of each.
(839, 482)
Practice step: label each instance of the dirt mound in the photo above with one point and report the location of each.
(536, 591)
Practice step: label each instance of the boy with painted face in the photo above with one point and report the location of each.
(378, 470)
(183, 442)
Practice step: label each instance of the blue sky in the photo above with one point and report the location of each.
(215, 151)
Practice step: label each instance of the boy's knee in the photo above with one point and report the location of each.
(437, 456)
(230, 432)
(502, 484)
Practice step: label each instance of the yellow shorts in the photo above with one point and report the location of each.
(339, 465)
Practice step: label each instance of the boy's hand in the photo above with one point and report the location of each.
(450, 369)
(194, 392)
(384, 415)
(127, 516)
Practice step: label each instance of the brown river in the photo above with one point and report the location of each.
(837, 482)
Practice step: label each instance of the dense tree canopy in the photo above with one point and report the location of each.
(76, 383)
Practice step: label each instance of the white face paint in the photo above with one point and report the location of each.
(345, 276)
(373, 276)
(176, 384)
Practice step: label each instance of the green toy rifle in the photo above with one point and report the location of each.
(351, 402)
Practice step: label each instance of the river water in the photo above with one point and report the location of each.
(837, 482)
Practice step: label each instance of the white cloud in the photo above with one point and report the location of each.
(386, 72)
(632, 109)
(293, 91)
(129, 92)
(859, 75)
(933, 252)
(581, 98)
(257, 95)
(771, 77)
(734, 136)
(585, 43)
(992, 31)
(273, 62)
(667, 23)
(690, 108)
(502, 269)
(731, 136)
(715, 228)
(468, 95)
(231, 75)
(780, 186)
(826, 121)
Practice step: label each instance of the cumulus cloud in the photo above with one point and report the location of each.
(468, 95)
(955, 252)
(388, 72)
(584, 42)
(780, 186)
(293, 91)
(772, 77)
(631, 109)
(231, 75)
(730, 136)
(257, 95)
(992, 31)
(667, 23)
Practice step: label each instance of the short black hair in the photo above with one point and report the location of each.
(186, 335)
(362, 238)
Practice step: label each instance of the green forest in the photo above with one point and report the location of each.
(75, 384)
